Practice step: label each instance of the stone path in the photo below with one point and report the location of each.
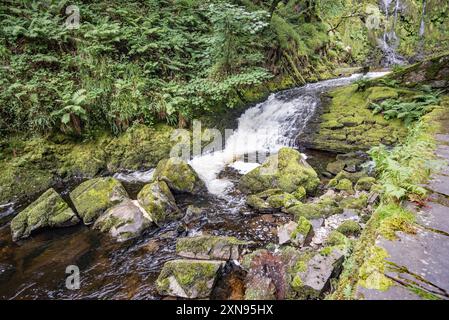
(418, 263)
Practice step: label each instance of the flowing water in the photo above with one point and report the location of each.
(35, 268)
(389, 41)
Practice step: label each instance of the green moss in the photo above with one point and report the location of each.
(206, 244)
(95, 196)
(349, 228)
(344, 185)
(257, 203)
(365, 183)
(394, 218)
(300, 193)
(287, 171)
(179, 176)
(284, 200)
(372, 272)
(357, 203)
(336, 238)
(49, 210)
(324, 207)
(158, 201)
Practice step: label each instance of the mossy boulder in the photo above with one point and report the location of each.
(49, 210)
(286, 170)
(93, 197)
(210, 247)
(283, 200)
(303, 232)
(191, 279)
(179, 176)
(365, 183)
(300, 193)
(349, 228)
(357, 202)
(124, 221)
(158, 201)
(322, 207)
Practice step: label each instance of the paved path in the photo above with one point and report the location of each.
(419, 263)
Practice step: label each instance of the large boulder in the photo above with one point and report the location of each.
(286, 170)
(179, 176)
(189, 279)
(124, 221)
(157, 199)
(50, 210)
(313, 281)
(210, 247)
(93, 197)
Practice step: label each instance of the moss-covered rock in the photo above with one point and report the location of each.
(344, 185)
(157, 199)
(358, 128)
(210, 247)
(50, 210)
(357, 202)
(93, 197)
(336, 238)
(323, 207)
(349, 228)
(287, 171)
(300, 193)
(189, 279)
(179, 176)
(365, 183)
(124, 221)
(302, 233)
(283, 200)
(258, 204)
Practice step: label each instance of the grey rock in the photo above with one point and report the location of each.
(210, 247)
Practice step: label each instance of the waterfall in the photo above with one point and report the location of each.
(422, 27)
(389, 41)
(264, 129)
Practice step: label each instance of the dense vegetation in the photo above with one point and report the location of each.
(168, 60)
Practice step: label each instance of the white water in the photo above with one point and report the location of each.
(422, 27)
(390, 41)
(264, 129)
(135, 176)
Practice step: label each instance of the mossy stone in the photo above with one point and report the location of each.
(365, 183)
(93, 197)
(158, 201)
(349, 228)
(49, 210)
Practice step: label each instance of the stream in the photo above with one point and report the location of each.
(35, 268)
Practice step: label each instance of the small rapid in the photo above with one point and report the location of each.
(264, 129)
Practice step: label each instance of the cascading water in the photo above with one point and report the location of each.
(422, 26)
(264, 129)
(388, 43)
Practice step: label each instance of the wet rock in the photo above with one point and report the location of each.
(314, 282)
(193, 214)
(210, 247)
(268, 193)
(189, 279)
(287, 171)
(93, 197)
(6, 271)
(124, 221)
(336, 166)
(50, 210)
(179, 176)
(158, 201)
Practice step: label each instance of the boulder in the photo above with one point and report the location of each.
(297, 233)
(193, 214)
(157, 200)
(283, 200)
(210, 247)
(286, 170)
(49, 210)
(189, 279)
(179, 176)
(285, 232)
(124, 221)
(93, 197)
(314, 281)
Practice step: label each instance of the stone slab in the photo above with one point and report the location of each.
(435, 216)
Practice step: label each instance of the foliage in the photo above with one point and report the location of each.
(409, 110)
